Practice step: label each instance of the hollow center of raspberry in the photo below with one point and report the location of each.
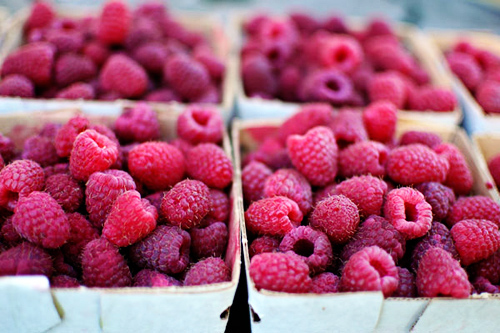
(333, 85)
(382, 158)
(201, 118)
(276, 31)
(10, 198)
(411, 212)
(340, 56)
(273, 55)
(343, 143)
(303, 247)
(379, 267)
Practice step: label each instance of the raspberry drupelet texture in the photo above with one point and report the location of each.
(77, 90)
(41, 150)
(7, 148)
(208, 271)
(25, 259)
(210, 240)
(466, 68)
(474, 207)
(283, 272)
(81, 232)
(291, 184)
(200, 124)
(64, 281)
(16, 85)
(187, 77)
(257, 75)
(41, 15)
(263, 244)
(406, 286)
(428, 139)
(220, 205)
(370, 269)
(475, 239)
(459, 176)
(348, 127)
(325, 283)
(433, 99)
(67, 134)
(66, 190)
(123, 75)
(483, 285)
(114, 22)
(366, 192)
(138, 124)
(71, 68)
(363, 158)
(151, 278)
(380, 121)
(486, 96)
(439, 196)
(324, 192)
(488, 268)
(209, 163)
(388, 87)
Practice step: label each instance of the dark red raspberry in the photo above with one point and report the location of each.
(380, 120)
(162, 95)
(406, 286)
(335, 24)
(263, 244)
(220, 205)
(283, 272)
(324, 193)
(291, 184)
(138, 124)
(96, 51)
(59, 168)
(305, 22)
(440, 197)
(289, 83)
(71, 68)
(64, 281)
(211, 96)
(459, 176)
(67, 134)
(488, 268)
(124, 76)
(41, 15)
(210, 61)
(272, 153)
(487, 59)
(274, 216)
(7, 148)
(200, 124)
(337, 217)
(465, 67)
(186, 76)
(66, 190)
(8, 234)
(166, 249)
(257, 75)
(16, 85)
(25, 259)
(487, 96)
(209, 241)
(65, 40)
(60, 266)
(151, 278)
(367, 192)
(77, 90)
(483, 285)
(440, 275)
(429, 139)
(152, 56)
(494, 167)
(208, 271)
(155, 199)
(370, 269)
(19, 178)
(362, 158)
(327, 85)
(143, 31)
(348, 127)
(325, 283)
(210, 164)
(81, 232)
(114, 22)
(157, 165)
(475, 207)
(41, 150)
(475, 239)
(389, 87)
(103, 266)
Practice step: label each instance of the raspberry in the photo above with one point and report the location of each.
(166, 249)
(16, 85)
(41, 15)
(60, 266)
(324, 193)
(34, 61)
(440, 275)
(304, 22)
(459, 176)
(440, 197)
(81, 232)
(278, 30)
(19, 178)
(406, 286)
(208, 271)
(9, 235)
(182, 145)
(67, 134)
(433, 99)
(487, 59)
(162, 95)
(211, 96)
(211, 62)
(257, 75)
(475, 239)
(138, 124)
(64, 281)
(210, 164)
(65, 40)
(465, 67)
(209, 241)
(154, 11)
(494, 167)
(186, 76)
(123, 75)
(143, 31)
(378, 27)
(327, 85)
(41, 150)
(390, 57)
(291, 184)
(56, 169)
(283, 272)
(152, 56)
(376, 230)
(380, 120)
(71, 68)
(77, 90)
(387, 86)
(370, 269)
(464, 46)
(273, 154)
(150, 278)
(429, 139)
(25, 259)
(289, 82)
(254, 23)
(325, 283)
(340, 52)
(199, 124)
(335, 24)
(91, 152)
(488, 268)
(314, 155)
(348, 128)
(220, 205)
(475, 207)
(274, 216)
(40, 219)
(481, 284)
(337, 217)
(114, 22)
(65, 190)
(362, 158)
(157, 165)
(97, 52)
(408, 212)
(263, 244)
(416, 163)
(106, 131)
(487, 96)
(103, 266)
(367, 192)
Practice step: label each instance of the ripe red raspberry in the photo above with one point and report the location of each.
(210, 61)
(209, 241)
(114, 22)
(416, 163)
(162, 95)
(323, 193)
(440, 275)
(56, 169)
(152, 56)
(123, 75)
(60, 266)
(341, 52)
(138, 124)
(335, 24)
(91, 152)
(64, 281)
(106, 131)
(186, 76)
(200, 124)
(220, 205)
(289, 82)
(67, 134)
(328, 85)
(390, 56)
(41, 15)
(475, 239)
(291, 184)
(210, 164)
(406, 286)
(211, 96)
(348, 127)
(143, 31)
(325, 283)
(337, 217)
(103, 266)
(81, 232)
(16, 85)
(263, 244)
(487, 96)
(274, 216)
(407, 210)
(433, 99)
(314, 155)
(208, 271)
(459, 176)
(157, 165)
(97, 52)
(41, 150)
(272, 153)
(488, 268)
(34, 61)
(71, 68)
(283, 272)
(483, 285)
(257, 75)
(494, 167)
(380, 120)
(440, 197)
(370, 269)
(25, 259)
(362, 158)
(367, 192)
(7, 148)
(17, 179)
(465, 67)
(65, 190)
(389, 87)
(77, 90)
(10, 237)
(429, 139)
(151, 278)
(41, 220)
(376, 230)
(166, 249)
(475, 207)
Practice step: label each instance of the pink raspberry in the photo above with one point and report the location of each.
(406, 286)
(376, 230)
(323, 193)
(337, 217)
(64, 281)
(200, 124)
(25, 259)
(209, 241)
(152, 56)
(103, 266)
(67, 134)
(475, 239)
(314, 155)
(210, 164)
(465, 67)
(166, 249)
(124, 76)
(77, 90)
(40, 219)
(325, 283)
(220, 205)
(186, 76)
(440, 197)
(440, 275)
(257, 75)
(433, 99)
(211, 62)
(81, 232)
(41, 150)
(143, 31)
(328, 85)
(181, 144)
(66, 190)
(283, 272)
(150, 278)
(138, 124)
(97, 52)
(106, 131)
(157, 165)
(487, 96)
(17, 179)
(16, 85)
(370, 269)
(459, 176)
(208, 271)
(41, 15)
(291, 184)
(407, 210)
(308, 117)
(263, 244)
(488, 268)
(341, 52)
(114, 22)
(389, 87)
(428, 139)
(367, 192)
(494, 167)
(380, 120)
(348, 127)
(475, 207)
(277, 29)
(416, 163)
(71, 68)
(274, 216)
(362, 158)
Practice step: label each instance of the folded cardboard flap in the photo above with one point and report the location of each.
(400, 314)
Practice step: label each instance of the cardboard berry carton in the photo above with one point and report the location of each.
(487, 146)
(362, 311)
(31, 305)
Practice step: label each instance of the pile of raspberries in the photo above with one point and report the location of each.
(86, 204)
(335, 203)
(145, 54)
(301, 59)
(479, 71)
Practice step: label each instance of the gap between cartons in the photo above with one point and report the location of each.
(419, 316)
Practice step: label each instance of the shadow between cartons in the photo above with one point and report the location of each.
(239, 315)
